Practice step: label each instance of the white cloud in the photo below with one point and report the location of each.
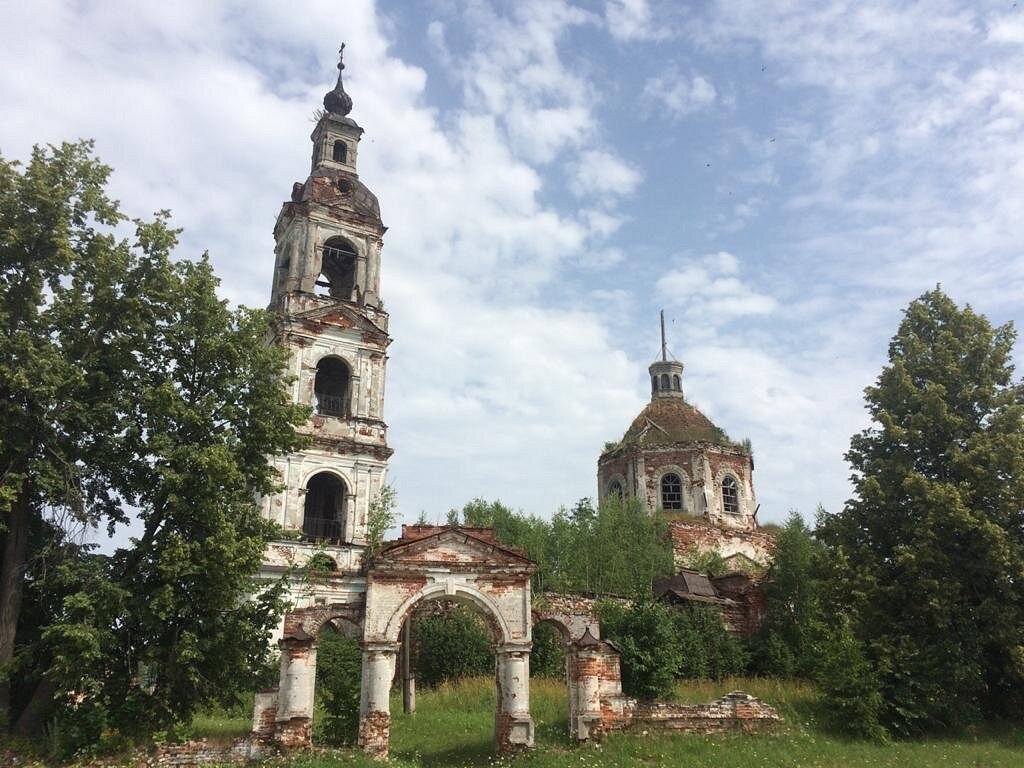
(708, 290)
(514, 71)
(601, 173)
(680, 94)
(1007, 29)
(630, 20)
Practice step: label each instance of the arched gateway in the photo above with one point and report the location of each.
(466, 565)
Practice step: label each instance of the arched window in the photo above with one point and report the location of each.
(331, 387)
(730, 495)
(324, 509)
(338, 268)
(340, 152)
(671, 491)
(676, 384)
(654, 385)
(615, 490)
(665, 386)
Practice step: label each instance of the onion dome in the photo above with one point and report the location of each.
(338, 102)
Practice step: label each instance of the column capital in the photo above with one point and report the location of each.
(510, 648)
(380, 646)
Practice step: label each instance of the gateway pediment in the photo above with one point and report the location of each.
(449, 546)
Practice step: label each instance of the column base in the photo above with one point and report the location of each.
(512, 732)
(375, 734)
(296, 733)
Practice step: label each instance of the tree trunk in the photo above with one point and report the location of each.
(12, 586)
(30, 722)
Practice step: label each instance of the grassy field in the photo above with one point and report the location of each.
(453, 725)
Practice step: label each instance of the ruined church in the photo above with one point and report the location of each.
(673, 458)
(329, 314)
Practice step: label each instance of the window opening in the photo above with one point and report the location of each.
(671, 491)
(331, 387)
(324, 508)
(654, 385)
(676, 384)
(665, 386)
(338, 268)
(340, 152)
(730, 496)
(615, 489)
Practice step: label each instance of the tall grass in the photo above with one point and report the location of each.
(453, 727)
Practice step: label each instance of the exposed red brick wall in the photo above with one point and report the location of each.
(736, 711)
(296, 733)
(375, 733)
(203, 753)
(690, 535)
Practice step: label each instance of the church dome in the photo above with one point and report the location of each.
(667, 421)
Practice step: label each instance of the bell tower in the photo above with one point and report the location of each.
(327, 310)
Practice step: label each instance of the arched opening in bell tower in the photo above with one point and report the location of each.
(324, 509)
(338, 269)
(331, 387)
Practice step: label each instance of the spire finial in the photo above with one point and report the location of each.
(337, 101)
(664, 348)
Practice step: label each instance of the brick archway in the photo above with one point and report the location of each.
(465, 565)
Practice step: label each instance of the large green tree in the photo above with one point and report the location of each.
(926, 561)
(128, 392)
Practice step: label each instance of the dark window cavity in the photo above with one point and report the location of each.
(665, 386)
(730, 496)
(671, 491)
(615, 490)
(324, 509)
(340, 152)
(676, 384)
(331, 387)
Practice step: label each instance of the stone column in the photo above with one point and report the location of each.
(587, 692)
(295, 692)
(513, 726)
(374, 698)
(361, 273)
(571, 678)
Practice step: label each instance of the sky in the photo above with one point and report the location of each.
(781, 178)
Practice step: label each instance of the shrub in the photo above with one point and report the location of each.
(708, 651)
(338, 677)
(651, 653)
(849, 684)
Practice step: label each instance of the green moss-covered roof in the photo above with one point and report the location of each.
(671, 420)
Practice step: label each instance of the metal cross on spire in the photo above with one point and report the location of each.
(664, 348)
(337, 101)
